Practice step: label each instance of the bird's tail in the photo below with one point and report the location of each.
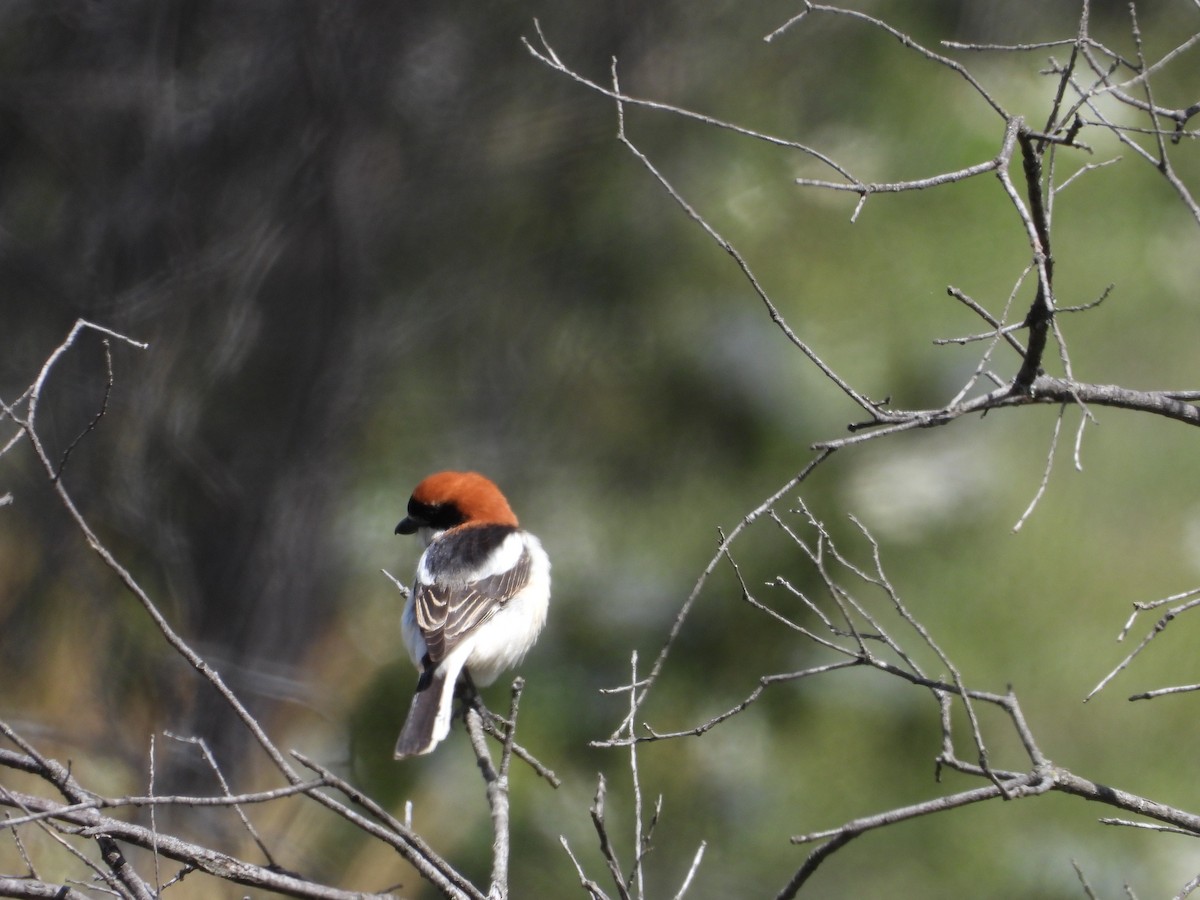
(428, 720)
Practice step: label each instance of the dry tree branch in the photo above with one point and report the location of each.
(28, 425)
(154, 819)
(1141, 606)
(400, 586)
(1000, 330)
(607, 850)
(1045, 389)
(691, 872)
(865, 189)
(906, 41)
(25, 763)
(737, 257)
(1145, 826)
(211, 760)
(90, 824)
(1159, 627)
(1037, 228)
(1021, 786)
(1031, 190)
(29, 887)
(1188, 889)
(640, 841)
(641, 689)
(1031, 384)
(642, 831)
(1163, 692)
(90, 427)
(387, 828)
(854, 641)
(1083, 882)
(545, 54)
(79, 816)
(496, 781)
(103, 875)
(502, 730)
(1105, 86)
(1033, 203)
(1041, 488)
(1042, 780)
(123, 877)
(878, 578)
(594, 890)
(1041, 777)
(489, 723)
(997, 323)
(765, 681)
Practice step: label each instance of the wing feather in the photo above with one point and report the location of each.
(449, 611)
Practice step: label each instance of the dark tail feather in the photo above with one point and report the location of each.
(422, 729)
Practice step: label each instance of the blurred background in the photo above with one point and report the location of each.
(368, 241)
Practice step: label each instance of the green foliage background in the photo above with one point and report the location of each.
(367, 242)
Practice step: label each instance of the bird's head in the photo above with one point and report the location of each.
(450, 499)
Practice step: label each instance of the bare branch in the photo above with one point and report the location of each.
(607, 850)
(91, 426)
(545, 54)
(29, 427)
(432, 867)
(1083, 882)
(911, 44)
(1045, 474)
(691, 873)
(402, 588)
(737, 257)
(1158, 628)
(1189, 888)
(865, 189)
(643, 689)
(837, 838)
(1163, 692)
(89, 823)
(29, 887)
(212, 764)
(640, 840)
(15, 761)
(588, 885)
(496, 781)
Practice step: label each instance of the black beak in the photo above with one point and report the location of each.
(407, 525)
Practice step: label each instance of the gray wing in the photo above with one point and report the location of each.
(448, 612)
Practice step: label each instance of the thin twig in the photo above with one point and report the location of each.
(588, 885)
(643, 689)
(1083, 882)
(738, 259)
(29, 426)
(410, 845)
(1041, 489)
(607, 850)
(1158, 628)
(691, 872)
(496, 782)
(91, 426)
(639, 844)
(237, 807)
(154, 824)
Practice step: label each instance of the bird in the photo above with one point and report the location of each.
(478, 602)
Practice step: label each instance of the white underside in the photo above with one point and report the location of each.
(499, 643)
